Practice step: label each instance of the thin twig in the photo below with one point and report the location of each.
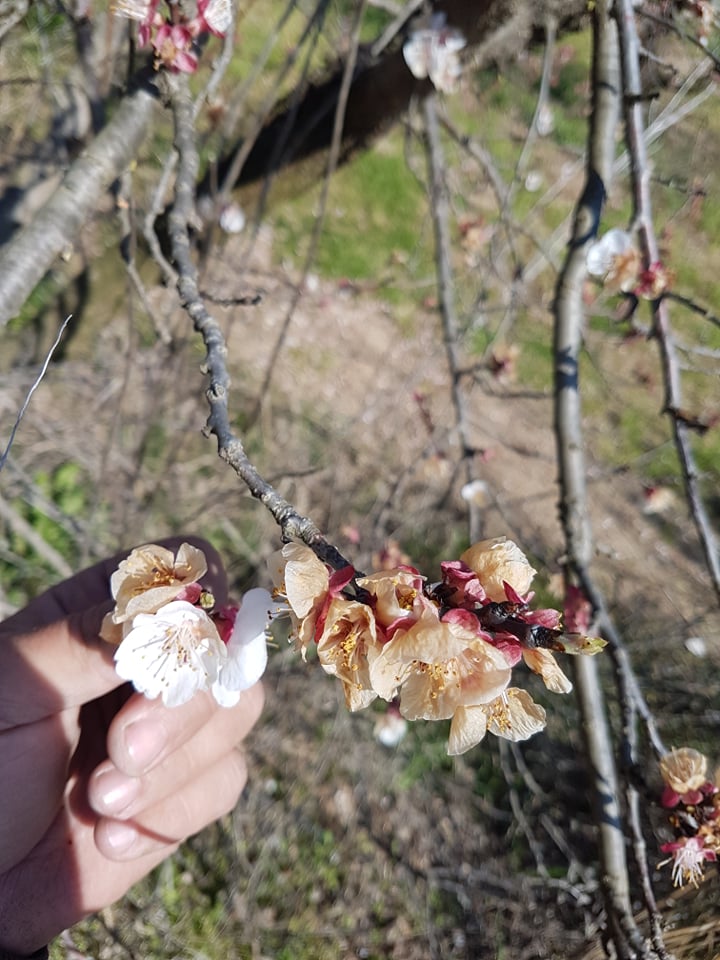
(540, 105)
(230, 447)
(439, 206)
(662, 329)
(32, 390)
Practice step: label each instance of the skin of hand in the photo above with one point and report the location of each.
(98, 784)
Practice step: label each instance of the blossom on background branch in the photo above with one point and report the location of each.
(172, 35)
(623, 931)
(662, 330)
(693, 805)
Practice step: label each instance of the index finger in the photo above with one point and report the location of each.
(60, 665)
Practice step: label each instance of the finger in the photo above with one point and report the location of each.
(35, 764)
(61, 665)
(210, 796)
(113, 793)
(145, 732)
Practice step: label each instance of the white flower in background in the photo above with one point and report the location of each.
(390, 727)
(545, 121)
(433, 52)
(217, 15)
(232, 218)
(174, 653)
(615, 259)
(246, 649)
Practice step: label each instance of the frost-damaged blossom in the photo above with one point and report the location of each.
(497, 562)
(433, 53)
(692, 803)
(513, 715)
(615, 260)
(688, 859)
(174, 653)
(150, 577)
(438, 666)
(684, 770)
(441, 651)
(346, 646)
(303, 582)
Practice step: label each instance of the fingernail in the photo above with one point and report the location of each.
(120, 836)
(115, 791)
(144, 741)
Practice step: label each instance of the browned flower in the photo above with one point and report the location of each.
(684, 769)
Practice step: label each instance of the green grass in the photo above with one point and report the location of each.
(375, 212)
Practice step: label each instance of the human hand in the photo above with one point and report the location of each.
(98, 783)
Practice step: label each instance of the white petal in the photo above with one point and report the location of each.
(174, 653)
(246, 649)
(417, 52)
(600, 255)
(218, 15)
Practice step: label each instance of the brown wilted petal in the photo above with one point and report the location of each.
(543, 662)
(152, 576)
(684, 769)
(498, 560)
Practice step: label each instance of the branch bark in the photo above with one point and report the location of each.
(25, 260)
(627, 940)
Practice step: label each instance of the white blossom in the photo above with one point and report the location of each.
(433, 52)
(174, 653)
(601, 254)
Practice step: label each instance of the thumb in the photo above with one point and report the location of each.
(59, 665)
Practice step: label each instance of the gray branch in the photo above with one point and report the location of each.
(25, 260)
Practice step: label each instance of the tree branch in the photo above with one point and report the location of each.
(230, 447)
(569, 315)
(25, 260)
(662, 329)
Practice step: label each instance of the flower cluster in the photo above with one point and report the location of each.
(693, 803)
(172, 37)
(433, 52)
(699, 16)
(616, 261)
(446, 650)
(172, 640)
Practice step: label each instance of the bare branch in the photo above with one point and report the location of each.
(25, 260)
(662, 330)
(31, 391)
(569, 315)
(230, 447)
